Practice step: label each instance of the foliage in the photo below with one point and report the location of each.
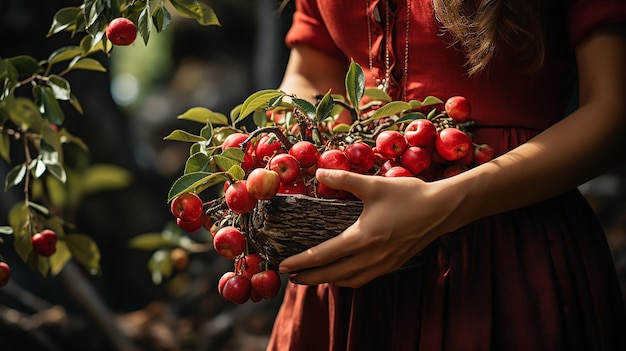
(34, 141)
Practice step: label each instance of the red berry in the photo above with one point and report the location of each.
(121, 31)
(187, 207)
(238, 199)
(457, 108)
(45, 243)
(5, 274)
(305, 152)
(229, 242)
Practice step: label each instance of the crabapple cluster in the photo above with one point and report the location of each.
(251, 279)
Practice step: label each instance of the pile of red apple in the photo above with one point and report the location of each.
(428, 148)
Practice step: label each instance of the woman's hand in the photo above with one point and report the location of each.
(400, 217)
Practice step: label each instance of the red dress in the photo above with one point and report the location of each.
(537, 278)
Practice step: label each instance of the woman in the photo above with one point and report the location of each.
(524, 264)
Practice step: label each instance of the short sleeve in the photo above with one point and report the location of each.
(308, 28)
(584, 15)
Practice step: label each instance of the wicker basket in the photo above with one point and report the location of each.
(289, 224)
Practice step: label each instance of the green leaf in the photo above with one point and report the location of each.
(144, 24)
(260, 118)
(161, 17)
(152, 241)
(341, 128)
(192, 181)
(25, 113)
(41, 208)
(204, 115)
(236, 172)
(39, 263)
(410, 117)
(181, 135)
(101, 177)
(324, 108)
(18, 218)
(207, 132)
(377, 94)
(257, 100)
(60, 257)
(60, 87)
(63, 19)
(57, 171)
(48, 104)
(37, 167)
(160, 265)
(228, 158)
(15, 176)
(26, 66)
(355, 83)
(390, 109)
(86, 63)
(5, 147)
(85, 250)
(198, 162)
(197, 10)
(431, 100)
(305, 106)
(65, 53)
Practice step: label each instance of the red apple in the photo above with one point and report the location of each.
(454, 169)
(298, 186)
(483, 153)
(266, 283)
(391, 143)
(416, 159)
(187, 207)
(387, 165)
(361, 157)
(121, 31)
(238, 199)
(267, 146)
(324, 191)
(237, 289)
(305, 152)
(333, 159)
(421, 132)
(287, 167)
(229, 242)
(44, 243)
(222, 281)
(452, 144)
(458, 108)
(398, 171)
(235, 140)
(5, 274)
(190, 226)
(262, 183)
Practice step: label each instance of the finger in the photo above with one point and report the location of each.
(325, 253)
(355, 183)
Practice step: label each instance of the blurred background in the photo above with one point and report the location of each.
(128, 112)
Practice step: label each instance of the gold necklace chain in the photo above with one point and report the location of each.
(384, 82)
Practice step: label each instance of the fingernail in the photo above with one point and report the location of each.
(283, 269)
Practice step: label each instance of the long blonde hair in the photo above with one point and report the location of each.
(482, 27)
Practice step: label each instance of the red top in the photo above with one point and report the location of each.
(503, 97)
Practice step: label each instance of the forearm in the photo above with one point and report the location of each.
(582, 146)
